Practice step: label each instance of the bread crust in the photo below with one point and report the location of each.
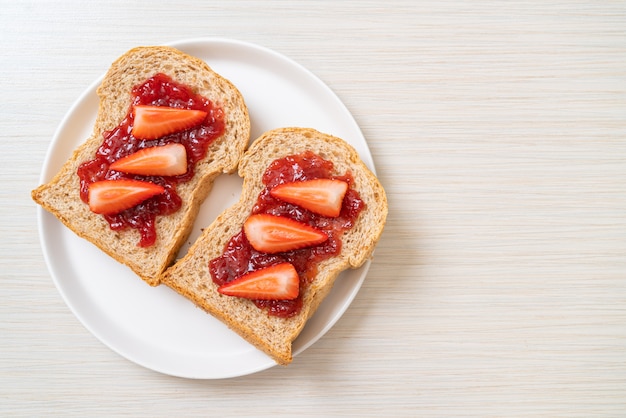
(190, 275)
(60, 196)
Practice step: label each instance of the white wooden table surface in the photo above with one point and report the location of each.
(499, 132)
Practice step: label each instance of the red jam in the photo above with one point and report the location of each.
(239, 257)
(159, 90)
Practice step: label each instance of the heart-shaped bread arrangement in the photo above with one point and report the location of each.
(167, 127)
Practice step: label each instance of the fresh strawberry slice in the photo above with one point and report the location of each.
(166, 160)
(274, 234)
(108, 197)
(321, 196)
(277, 282)
(152, 122)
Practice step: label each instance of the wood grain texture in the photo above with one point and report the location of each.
(499, 132)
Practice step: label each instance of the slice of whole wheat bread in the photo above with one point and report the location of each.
(60, 195)
(191, 278)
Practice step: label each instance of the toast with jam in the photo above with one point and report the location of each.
(309, 209)
(167, 125)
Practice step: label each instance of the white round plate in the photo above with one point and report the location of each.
(155, 327)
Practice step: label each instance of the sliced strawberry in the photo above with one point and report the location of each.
(152, 122)
(108, 197)
(166, 160)
(277, 282)
(274, 234)
(322, 196)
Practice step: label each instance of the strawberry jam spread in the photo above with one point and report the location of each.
(239, 257)
(159, 90)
